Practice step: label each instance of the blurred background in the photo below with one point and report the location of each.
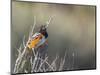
(72, 30)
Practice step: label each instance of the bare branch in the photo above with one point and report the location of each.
(43, 63)
(33, 27)
(62, 63)
(48, 22)
(24, 41)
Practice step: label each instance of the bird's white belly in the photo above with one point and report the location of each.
(42, 41)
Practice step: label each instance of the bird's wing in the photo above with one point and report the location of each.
(41, 41)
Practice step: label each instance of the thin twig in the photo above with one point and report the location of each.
(48, 22)
(42, 63)
(24, 41)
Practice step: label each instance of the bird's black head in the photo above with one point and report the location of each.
(42, 28)
(43, 31)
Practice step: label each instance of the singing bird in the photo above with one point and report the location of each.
(39, 38)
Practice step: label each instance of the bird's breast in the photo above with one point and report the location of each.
(33, 43)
